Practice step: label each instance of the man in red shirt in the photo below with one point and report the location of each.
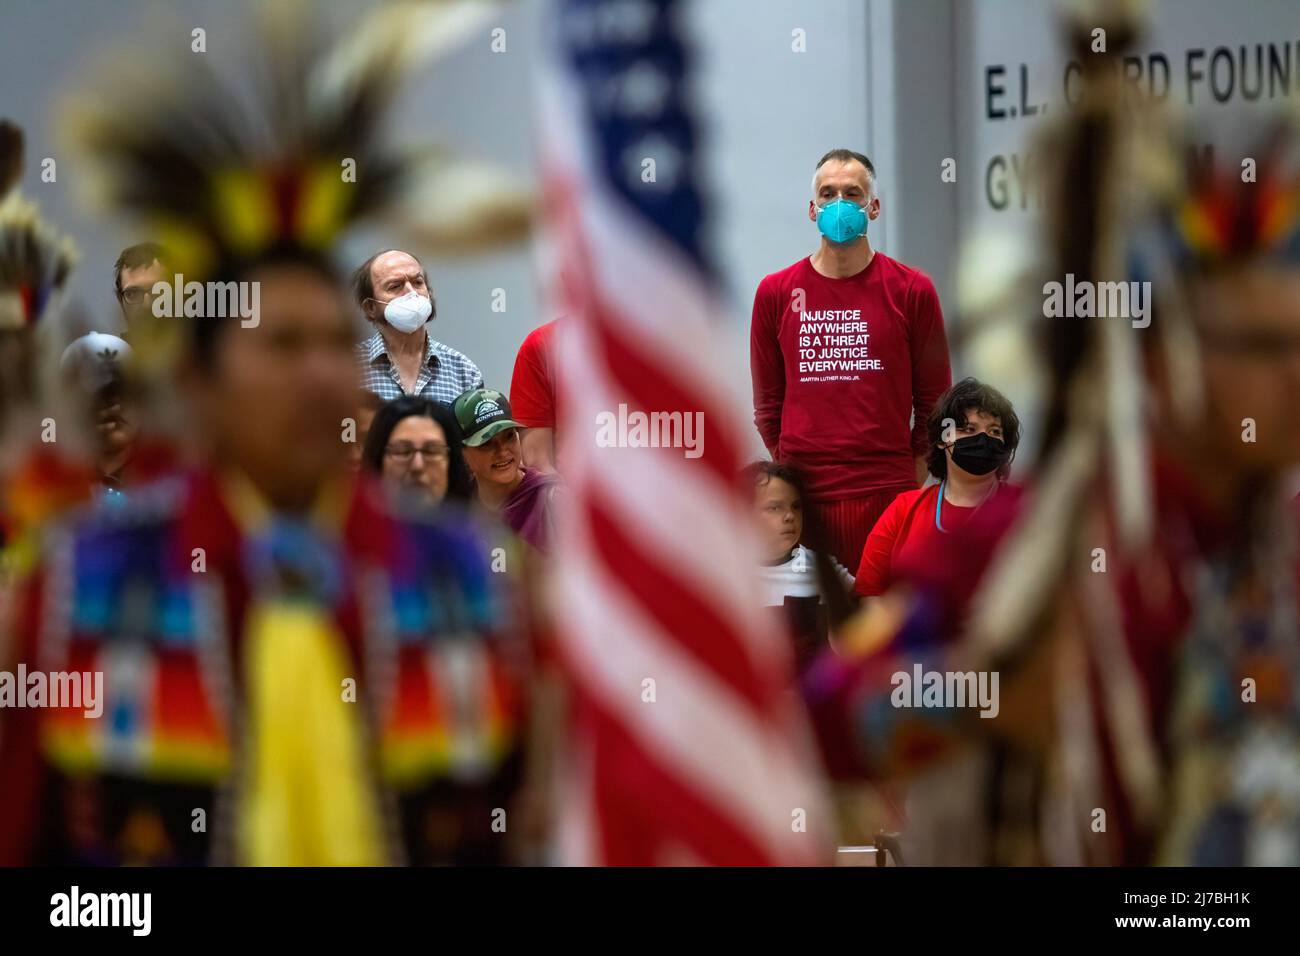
(844, 346)
(532, 396)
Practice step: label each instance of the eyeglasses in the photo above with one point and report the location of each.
(404, 451)
(134, 295)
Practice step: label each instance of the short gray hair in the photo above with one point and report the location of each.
(847, 156)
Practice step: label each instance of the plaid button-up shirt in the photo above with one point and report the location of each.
(444, 374)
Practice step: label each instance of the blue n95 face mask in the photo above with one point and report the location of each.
(841, 220)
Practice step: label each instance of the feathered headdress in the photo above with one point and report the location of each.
(1245, 209)
(35, 260)
(1088, 371)
(1127, 200)
(227, 161)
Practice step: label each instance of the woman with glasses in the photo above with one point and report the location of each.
(415, 445)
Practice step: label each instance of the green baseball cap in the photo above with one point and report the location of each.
(482, 413)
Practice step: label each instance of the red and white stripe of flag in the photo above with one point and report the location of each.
(653, 566)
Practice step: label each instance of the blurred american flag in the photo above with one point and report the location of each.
(689, 745)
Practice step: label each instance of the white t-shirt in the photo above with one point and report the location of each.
(796, 577)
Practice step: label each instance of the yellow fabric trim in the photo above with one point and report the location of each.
(307, 801)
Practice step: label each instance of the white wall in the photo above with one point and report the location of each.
(1012, 33)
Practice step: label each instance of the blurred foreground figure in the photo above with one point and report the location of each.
(269, 668)
(92, 368)
(1134, 614)
(39, 474)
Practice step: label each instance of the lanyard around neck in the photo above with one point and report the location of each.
(938, 504)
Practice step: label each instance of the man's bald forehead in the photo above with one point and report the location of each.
(395, 260)
(386, 262)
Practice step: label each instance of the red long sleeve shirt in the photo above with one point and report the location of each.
(906, 533)
(532, 386)
(839, 366)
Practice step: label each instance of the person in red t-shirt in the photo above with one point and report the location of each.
(973, 433)
(532, 396)
(845, 345)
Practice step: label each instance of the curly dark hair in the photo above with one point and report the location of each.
(966, 396)
(759, 473)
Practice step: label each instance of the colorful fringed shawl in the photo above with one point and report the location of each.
(343, 688)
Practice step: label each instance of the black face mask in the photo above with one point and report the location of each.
(979, 454)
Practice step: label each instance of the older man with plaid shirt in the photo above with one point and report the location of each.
(401, 358)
